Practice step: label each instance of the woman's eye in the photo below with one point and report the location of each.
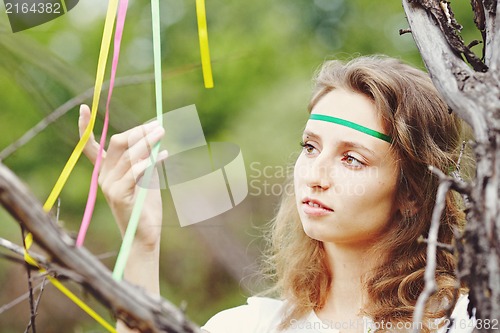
(352, 161)
(308, 148)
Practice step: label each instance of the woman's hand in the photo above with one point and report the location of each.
(125, 160)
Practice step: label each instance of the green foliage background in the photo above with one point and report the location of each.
(264, 54)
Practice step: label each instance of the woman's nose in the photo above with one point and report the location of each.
(318, 174)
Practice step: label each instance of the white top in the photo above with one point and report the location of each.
(262, 315)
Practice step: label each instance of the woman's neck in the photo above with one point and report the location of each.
(347, 293)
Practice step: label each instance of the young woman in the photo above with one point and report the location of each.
(345, 248)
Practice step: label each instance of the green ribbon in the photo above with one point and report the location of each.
(352, 125)
(135, 216)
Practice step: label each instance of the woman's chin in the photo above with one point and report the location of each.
(314, 232)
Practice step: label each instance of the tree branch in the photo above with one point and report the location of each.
(474, 96)
(480, 21)
(20, 251)
(450, 74)
(443, 15)
(32, 322)
(127, 302)
(432, 241)
(21, 298)
(37, 302)
(491, 42)
(50, 267)
(82, 97)
(64, 108)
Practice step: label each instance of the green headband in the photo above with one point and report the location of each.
(352, 125)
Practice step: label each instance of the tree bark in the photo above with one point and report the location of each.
(473, 92)
(127, 302)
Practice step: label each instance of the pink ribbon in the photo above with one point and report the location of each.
(89, 208)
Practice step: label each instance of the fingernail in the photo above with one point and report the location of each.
(81, 109)
(163, 154)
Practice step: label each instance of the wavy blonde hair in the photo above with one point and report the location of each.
(424, 133)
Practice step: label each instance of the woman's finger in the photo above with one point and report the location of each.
(121, 187)
(139, 168)
(91, 149)
(120, 143)
(142, 148)
(126, 148)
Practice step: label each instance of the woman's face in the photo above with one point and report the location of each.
(345, 180)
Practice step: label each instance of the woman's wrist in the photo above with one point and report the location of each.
(148, 233)
(144, 259)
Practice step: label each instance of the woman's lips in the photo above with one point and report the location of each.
(314, 207)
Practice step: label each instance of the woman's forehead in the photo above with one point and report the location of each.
(348, 116)
(350, 106)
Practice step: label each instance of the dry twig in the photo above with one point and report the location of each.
(22, 298)
(30, 292)
(37, 302)
(430, 267)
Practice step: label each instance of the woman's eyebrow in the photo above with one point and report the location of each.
(309, 134)
(352, 144)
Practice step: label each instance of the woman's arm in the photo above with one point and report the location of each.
(127, 157)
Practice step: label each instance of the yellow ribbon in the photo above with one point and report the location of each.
(204, 49)
(63, 3)
(75, 155)
(30, 260)
(101, 68)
